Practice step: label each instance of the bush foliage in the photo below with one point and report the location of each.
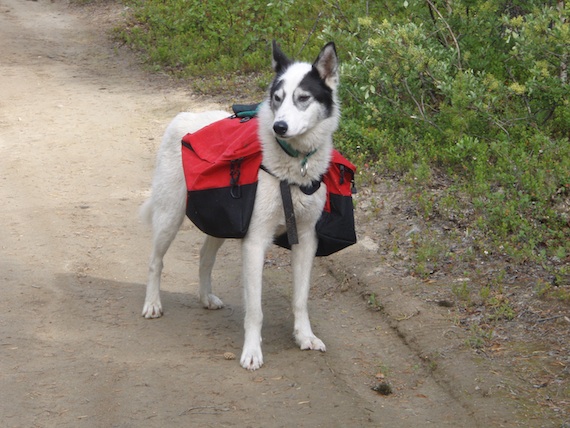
(476, 92)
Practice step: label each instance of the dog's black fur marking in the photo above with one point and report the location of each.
(316, 86)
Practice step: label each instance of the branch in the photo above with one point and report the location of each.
(564, 60)
(450, 32)
(420, 106)
(310, 33)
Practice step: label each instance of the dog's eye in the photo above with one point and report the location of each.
(304, 98)
(277, 98)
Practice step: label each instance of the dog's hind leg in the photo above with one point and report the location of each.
(166, 220)
(207, 259)
(302, 262)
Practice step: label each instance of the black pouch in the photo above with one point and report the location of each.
(335, 228)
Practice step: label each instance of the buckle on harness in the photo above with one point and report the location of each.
(235, 172)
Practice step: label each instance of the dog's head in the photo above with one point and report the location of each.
(303, 95)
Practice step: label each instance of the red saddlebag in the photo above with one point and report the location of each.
(221, 162)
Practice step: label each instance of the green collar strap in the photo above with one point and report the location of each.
(287, 148)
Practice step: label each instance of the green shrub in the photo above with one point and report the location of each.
(478, 92)
(200, 38)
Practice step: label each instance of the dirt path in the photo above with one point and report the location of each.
(79, 127)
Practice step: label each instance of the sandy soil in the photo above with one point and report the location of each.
(79, 126)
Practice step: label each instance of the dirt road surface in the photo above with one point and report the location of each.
(79, 127)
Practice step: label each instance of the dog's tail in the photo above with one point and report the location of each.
(145, 212)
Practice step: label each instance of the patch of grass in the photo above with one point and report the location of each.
(219, 38)
(429, 251)
(478, 336)
(484, 293)
(374, 303)
(558, 289)
(501, 308)
(461, 291)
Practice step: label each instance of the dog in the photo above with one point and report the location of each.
(301, 112)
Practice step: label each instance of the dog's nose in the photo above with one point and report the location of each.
(280, 127)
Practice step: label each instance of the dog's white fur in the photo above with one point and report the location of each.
(309, 128)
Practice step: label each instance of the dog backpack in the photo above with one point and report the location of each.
(221, 164)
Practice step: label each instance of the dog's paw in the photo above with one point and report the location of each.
(251, 359)
(312, 343)
(212, 302)
(152, 310)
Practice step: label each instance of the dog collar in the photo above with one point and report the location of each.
(287, 148)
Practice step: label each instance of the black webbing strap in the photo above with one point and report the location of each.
(290, 222)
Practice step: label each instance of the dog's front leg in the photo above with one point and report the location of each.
(303, 255)
(253, 252)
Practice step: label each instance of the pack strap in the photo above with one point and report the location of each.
(289, 211)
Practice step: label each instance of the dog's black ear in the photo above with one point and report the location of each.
(279, 61)
(327, 65)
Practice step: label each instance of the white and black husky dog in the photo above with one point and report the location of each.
(302, 111)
